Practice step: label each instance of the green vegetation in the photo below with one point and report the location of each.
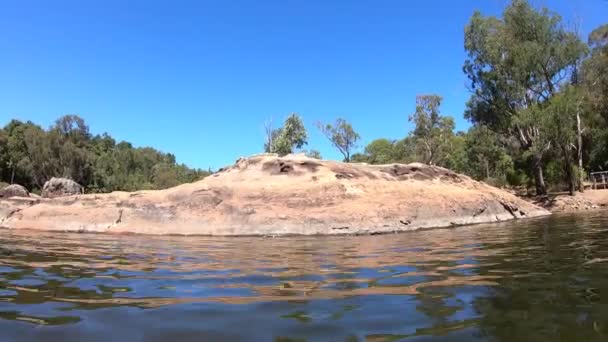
(517, 65)
(433, 134)
(539, 106)
(286, 139)
(31, 155)
(342, 136)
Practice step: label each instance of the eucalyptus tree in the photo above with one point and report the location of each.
(514, 63)
(486, 155)
(562, 123)
(433, 133)
(286, 139)
(342, 135)
(594, 81)
(595, 71)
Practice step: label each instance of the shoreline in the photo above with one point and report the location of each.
(590, 200)
(288, 235)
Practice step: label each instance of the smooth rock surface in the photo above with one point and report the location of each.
(271, 195)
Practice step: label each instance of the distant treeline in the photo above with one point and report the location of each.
(31, 155)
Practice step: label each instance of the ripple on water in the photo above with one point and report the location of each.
(538, 279)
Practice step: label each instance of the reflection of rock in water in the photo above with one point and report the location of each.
(268, 195)
(278, 269)
(508, 281)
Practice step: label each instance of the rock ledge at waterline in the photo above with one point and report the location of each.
(270, 195)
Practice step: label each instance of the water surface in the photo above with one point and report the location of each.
(533, 280)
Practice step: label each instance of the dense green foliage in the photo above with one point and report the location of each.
(516, 65)
(31, 155)
(433, 133)
(286, 139)
(594, 85)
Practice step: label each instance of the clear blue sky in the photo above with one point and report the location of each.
(199, 78)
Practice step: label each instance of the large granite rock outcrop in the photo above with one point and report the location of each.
(271, 195)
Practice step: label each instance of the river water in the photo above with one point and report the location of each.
(533, 280)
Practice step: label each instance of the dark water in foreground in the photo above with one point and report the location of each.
(535, 280)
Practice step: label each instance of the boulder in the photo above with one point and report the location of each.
(59, 187)
(14, 190)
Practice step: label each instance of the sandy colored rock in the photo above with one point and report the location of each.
(270, 195)
(14, 190)
(59, 187)
(588, 200)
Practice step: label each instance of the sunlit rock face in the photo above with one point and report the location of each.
(271, 195)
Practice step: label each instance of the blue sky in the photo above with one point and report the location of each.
(199, 78)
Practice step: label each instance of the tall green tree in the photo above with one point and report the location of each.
(595, 71)
(43, 156)
(560, 120)
(3, 154)
(342, 135)
(69, 140)
(594, 82)
(432, 132)
(514, 63)
(18, 161)
(486, 155)
(286, 139)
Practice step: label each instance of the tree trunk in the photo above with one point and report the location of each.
(487, 162)
(539, 181)
(568, 165)
(12, 175)
(571, 180)
(581, 172)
